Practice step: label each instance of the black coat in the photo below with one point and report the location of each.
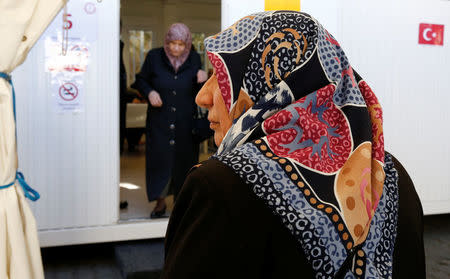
(169, 148)
(220, 229)
(122, 97)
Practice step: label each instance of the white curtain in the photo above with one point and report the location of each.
(21, 24)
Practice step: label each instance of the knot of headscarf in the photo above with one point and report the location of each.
(307, 136)
(178, 31)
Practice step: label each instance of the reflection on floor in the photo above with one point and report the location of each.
(132, 185)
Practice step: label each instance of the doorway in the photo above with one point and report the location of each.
(144, 24)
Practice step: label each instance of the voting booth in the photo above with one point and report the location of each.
(68, 106)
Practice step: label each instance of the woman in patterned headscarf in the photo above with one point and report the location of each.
(170, 77)
(300, 186)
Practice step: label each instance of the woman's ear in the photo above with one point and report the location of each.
(243, 103)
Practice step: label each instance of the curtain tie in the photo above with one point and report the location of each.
(7, 77)
(28, 191)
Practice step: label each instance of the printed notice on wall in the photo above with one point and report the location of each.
(68, 43)
(68, 96)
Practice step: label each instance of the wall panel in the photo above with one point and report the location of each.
(72, 158)
(411, 81)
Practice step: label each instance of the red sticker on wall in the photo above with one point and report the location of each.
(431, 34)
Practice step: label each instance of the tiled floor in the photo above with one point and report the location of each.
(132, 175)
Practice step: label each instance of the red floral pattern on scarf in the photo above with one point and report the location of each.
(376, 116)
(325, 144)
(222, 78)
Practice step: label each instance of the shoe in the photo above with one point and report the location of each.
(158, 214)
(123, 204)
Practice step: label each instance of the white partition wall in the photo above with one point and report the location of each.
(411, 81)
(233, 10)
(381, 39)
(69, 151)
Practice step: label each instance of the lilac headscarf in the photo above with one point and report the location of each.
(178, 31)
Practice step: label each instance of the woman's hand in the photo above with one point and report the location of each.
(202, 76)
(155, 99)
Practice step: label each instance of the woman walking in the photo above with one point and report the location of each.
(170, 77)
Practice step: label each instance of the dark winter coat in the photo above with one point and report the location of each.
(169, 148)
(220, 229)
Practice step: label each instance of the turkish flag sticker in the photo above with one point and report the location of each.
(431, 34)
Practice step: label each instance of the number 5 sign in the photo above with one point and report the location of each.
(67, 22)
(81, 22)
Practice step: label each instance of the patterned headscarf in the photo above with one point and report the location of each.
(178, 31)
(307, 136)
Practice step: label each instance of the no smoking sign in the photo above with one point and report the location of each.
(68, 91)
